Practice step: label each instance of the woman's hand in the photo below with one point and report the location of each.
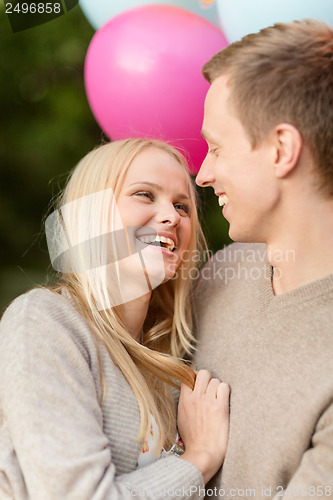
(203, 423)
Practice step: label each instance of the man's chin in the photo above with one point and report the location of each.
(244, 236)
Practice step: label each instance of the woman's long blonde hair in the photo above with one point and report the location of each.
(152, 368)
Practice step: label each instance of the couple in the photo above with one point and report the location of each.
(87, 366)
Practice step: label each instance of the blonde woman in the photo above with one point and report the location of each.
(87, 366)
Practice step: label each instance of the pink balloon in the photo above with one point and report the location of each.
(143, 76)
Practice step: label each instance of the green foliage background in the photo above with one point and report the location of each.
(46, 127)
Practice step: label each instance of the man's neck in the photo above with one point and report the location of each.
(303, 250)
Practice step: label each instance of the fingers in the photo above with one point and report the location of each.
(223, 391)
(205, 385)
(210, 386)
(203, 422)
(202, 381)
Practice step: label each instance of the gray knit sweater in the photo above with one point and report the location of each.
(56, 441)
(276, 352)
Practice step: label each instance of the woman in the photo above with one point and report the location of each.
(86, 366)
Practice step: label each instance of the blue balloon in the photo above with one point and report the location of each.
(98, 12)
(241, 17)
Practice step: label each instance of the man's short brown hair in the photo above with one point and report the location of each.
(284, 74)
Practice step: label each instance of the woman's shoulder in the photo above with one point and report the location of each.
(38, 304)
(42, 319)
(37, 299)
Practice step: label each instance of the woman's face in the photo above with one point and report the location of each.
(155, 197)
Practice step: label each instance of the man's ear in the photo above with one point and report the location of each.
(288, 143)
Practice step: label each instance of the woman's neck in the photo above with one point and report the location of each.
(134, 314)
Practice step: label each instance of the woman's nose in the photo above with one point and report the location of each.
(168, 215)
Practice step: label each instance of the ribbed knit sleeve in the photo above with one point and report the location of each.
(314, 476)
(55, 439)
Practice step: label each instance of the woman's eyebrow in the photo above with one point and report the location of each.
(152, 184)
(157, 186)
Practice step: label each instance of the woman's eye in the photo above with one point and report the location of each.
(213, 151)
(182, 208)
(145, 194)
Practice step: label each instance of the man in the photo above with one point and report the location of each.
(265, 311)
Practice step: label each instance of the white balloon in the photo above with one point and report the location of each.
(241, 17)
(98, 12)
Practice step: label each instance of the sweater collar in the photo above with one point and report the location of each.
(301, 294)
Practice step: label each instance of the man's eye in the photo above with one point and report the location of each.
(182, 208)
(145, 194)
(213, 151)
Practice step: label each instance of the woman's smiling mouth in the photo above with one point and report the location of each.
(158, 240)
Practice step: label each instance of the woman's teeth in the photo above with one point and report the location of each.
(151, 238)
(223, 200)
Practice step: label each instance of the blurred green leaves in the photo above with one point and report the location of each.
(46, 127)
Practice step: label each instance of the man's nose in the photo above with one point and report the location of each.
(205, 175)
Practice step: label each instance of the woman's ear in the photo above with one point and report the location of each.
(288, 142)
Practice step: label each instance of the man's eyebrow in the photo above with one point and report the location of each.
(208, 137)
(157, 186)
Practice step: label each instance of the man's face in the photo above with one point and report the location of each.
(243, 178)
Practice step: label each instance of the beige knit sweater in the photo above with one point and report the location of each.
(56, 441)
(276, 352)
